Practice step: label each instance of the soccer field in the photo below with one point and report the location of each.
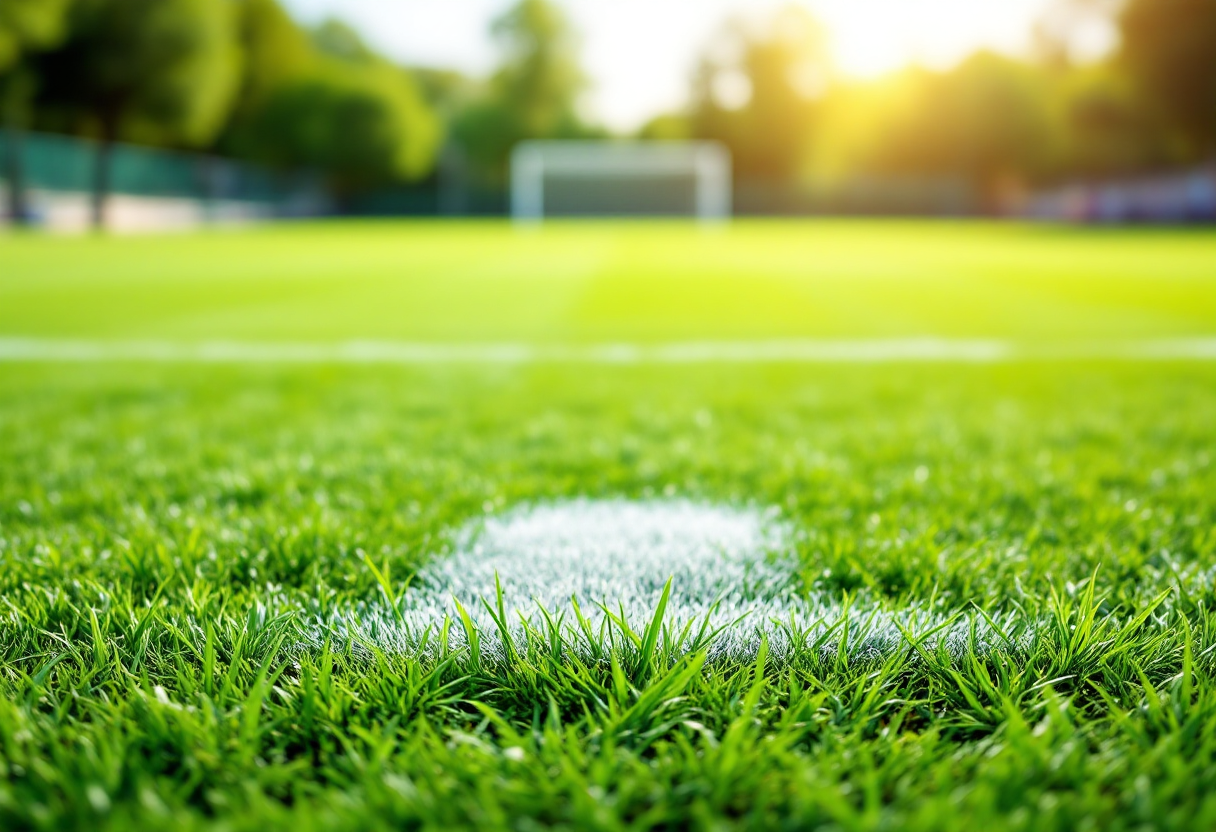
(290, 519)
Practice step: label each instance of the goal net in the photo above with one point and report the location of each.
(607, 179)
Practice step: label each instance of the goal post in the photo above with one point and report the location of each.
(620, 178)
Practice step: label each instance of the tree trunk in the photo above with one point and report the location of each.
(101, 172)
(14, 99)
(14, 173)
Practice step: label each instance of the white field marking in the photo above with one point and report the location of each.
(731, 566)
(797, 351)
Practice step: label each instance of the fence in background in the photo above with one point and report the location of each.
(158, 189)
(150, 188)
(871, 196)
(930, 196)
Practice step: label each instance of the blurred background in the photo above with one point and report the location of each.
(143, 114)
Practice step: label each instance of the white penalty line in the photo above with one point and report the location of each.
(796, 351)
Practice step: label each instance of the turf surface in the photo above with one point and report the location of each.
(642, 283)
(173, 538)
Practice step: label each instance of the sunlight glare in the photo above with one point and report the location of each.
(871, 37)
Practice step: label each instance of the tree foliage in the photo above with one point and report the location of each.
(274, 50)
(341, 108)
(986, 120)
(777, 75)
(1170, 48)
(242, 78)
(161, 68)
(533, 93)
(540, 77)
(1107, 131)
(152, 66)
(363, 128)
(28, 25)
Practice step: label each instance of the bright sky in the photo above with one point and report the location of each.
(641, 53)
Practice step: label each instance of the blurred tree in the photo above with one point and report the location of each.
(274, 48)
(540, 76)
(339, 41)
(26, 26)
(534, 92)
(667, 127)
(1073, 32)
(445, 89)
(166, 67)
(987, 120)
(364, 126)
(1170, 48)
(758, 94)
(323, 99)
(1107, 130)
(449, 93)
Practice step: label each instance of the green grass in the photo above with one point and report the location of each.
(172, 535)
(586, 282)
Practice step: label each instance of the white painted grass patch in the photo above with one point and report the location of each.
(731, 568)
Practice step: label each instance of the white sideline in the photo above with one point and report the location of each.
(796, 351)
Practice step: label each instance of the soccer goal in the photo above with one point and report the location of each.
(609, 179)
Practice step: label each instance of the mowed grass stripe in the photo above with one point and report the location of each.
(606, 283)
